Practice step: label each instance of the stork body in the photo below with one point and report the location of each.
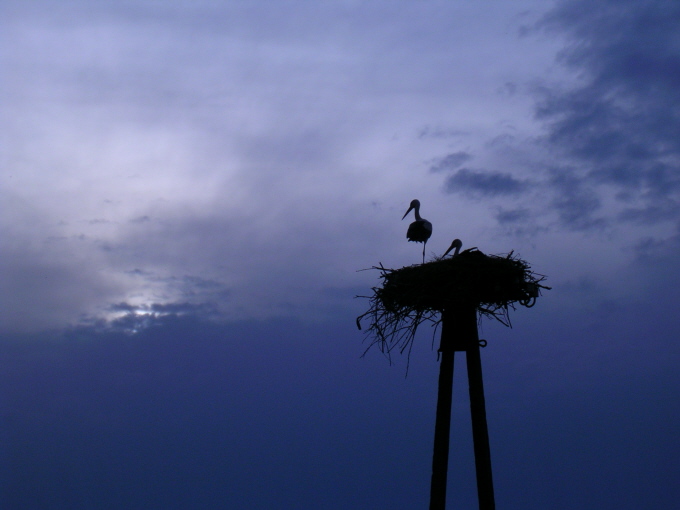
(457, 244)
(420, 230)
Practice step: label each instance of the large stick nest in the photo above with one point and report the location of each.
(415, 294)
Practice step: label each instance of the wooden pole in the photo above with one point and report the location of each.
(442, 428)
(480, 433)
(459, 333)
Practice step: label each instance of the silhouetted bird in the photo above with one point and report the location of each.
(420, 230)
(457, 244)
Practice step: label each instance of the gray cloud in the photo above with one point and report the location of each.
(451, 161)
(510, 216)
(239, 145)
(440, 132)
(621, 124)
(44, 287)
(484, 183)
(576, 204)
(661, 211)
(661, 256)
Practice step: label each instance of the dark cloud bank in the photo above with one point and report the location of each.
(621, 126)
(614, 131)
(478, 183)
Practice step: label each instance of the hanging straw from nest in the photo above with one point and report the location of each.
(412, 295)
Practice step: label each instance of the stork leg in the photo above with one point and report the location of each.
(424, 244)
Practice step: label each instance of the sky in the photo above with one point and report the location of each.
(190, 191)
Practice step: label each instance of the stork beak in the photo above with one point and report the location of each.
(409, 210)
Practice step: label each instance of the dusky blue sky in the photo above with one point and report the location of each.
(189, 190)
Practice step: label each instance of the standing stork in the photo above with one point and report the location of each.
(420, 230)
(457, 244)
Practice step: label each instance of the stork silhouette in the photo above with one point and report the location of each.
(457, 244)
(420, 230)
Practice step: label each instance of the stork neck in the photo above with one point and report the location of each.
(416, 210)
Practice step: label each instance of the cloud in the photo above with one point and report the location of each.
(620, 124)
(229, 154)
(574, 202)
(451, 162)
(441, 132)
(509, 216)
(484, 183)
(45, 288)
(661, 211)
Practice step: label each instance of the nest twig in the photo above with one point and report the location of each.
(412, 295)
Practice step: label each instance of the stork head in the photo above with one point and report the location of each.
(415, 204)
(457, 244)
